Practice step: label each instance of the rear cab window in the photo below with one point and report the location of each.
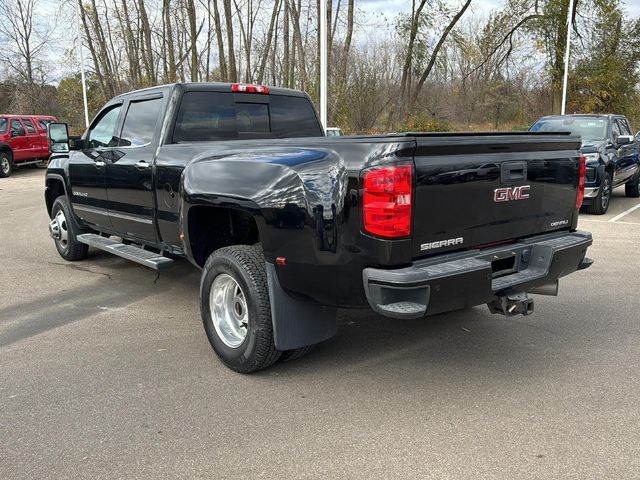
(211, 116)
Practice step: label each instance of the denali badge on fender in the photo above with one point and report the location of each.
(506, 194)
(442, 243)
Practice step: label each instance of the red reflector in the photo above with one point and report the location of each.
(386, 201)
(281, 260)
(246, 88)
(582, 177)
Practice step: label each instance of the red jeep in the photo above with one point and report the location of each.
(23, 140)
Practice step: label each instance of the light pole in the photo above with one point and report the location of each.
(323, 63)
(82, 78)
(566, 58)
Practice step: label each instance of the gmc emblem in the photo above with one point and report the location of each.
(507, 194)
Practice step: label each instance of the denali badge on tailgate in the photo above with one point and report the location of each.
(506, 194)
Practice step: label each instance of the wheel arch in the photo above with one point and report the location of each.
(5, 147)
(54, 187)
(210, 227)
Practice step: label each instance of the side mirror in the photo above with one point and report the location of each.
(17, 132)
(624, 139)
(58, 137)
(76, 142)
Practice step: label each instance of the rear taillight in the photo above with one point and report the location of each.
(582, 177)
(386, 203)
(246, 88)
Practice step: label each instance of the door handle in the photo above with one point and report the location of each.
(141, 165)
(513, 171)
(99, 163)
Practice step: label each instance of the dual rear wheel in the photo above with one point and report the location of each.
(236, 311)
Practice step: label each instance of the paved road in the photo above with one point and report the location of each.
(106, 374)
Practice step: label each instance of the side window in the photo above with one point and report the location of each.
(16, 125)
(615, 130)
(3, 125)
(140, 122)
(102, 134)
(624, 127)
(43, 124)
(28, 125)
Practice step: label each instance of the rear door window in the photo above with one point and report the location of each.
(210, 116)
(28, 125)
(3, 125)
(16, 125)
(140, 122)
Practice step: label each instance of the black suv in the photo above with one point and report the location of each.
(611, 150)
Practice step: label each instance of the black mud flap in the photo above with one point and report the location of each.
(297, 323)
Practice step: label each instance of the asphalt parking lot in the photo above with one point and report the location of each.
(105, 373)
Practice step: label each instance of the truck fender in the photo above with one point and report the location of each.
(283, 189)
(55, 177)
(283, 185)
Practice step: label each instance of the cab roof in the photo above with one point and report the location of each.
(210, 87)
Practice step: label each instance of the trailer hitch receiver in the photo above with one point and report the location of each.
(512, 304)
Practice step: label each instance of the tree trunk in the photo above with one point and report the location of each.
(221, 56)
(233, 72)
(191, 15)
(436, 50)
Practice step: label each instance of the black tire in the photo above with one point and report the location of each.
(601, 202)
(70, 249)
(296, 353)
(245, 265)
(6, 164)
(632, 187)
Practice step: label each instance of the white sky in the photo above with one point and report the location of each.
(392, 7)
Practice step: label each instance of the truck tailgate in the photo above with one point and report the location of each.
(474, 190)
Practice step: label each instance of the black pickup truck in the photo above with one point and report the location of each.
(287, 225)
(611, 150)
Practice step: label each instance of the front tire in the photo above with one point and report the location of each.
(63, 230)
(6, 164)
(600, 204)
(632, 187)
(235, 308)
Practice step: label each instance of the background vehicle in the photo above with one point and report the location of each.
(334, 132)
(23, 141)
(286, 230)
(611, 150)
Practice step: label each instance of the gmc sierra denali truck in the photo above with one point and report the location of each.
(288, 225)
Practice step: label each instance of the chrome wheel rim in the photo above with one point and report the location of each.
(229, 312)
(606, 193)
(60, 227)
(4, 163)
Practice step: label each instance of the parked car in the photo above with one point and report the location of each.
(23, 141)
(611, 150)
(286, 230)
(334, 132)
